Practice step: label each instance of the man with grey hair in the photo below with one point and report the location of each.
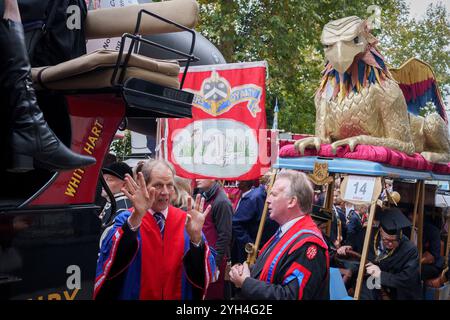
(294, 263)
(155, 251)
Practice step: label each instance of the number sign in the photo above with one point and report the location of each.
(359, 188)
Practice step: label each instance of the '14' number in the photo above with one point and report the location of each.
(362, 189)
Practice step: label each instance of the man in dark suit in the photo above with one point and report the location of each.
(114, 175)
(355, 228)
(339, 221)
(247, 217)
(432, 261)
(218, 232)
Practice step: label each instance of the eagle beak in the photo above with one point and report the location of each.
(341, 55)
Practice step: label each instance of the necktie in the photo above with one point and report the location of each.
(263, 255)
(160, 221)
(274, 241)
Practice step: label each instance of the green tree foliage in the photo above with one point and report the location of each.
(286, 33)
(427, 39)
(122, 147)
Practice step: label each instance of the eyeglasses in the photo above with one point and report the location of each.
(386, 238)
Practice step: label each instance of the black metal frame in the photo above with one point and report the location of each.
(136, 38)
(156, 101)
(111, 197)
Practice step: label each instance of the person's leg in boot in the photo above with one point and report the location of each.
(32, 142)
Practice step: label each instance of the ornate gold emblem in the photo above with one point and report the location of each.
(320, 174)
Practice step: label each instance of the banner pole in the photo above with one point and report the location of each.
(166, 134)
(252, 250)
(158, 139)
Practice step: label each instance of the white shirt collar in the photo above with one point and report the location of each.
(242, 195)
(246, 193)
(120, 196)
(164, 212)
(285, 227)
(336, 212)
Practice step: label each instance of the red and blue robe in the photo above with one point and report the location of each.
(294, 268)
(144, 265)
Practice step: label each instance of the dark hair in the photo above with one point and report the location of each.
(139, 167)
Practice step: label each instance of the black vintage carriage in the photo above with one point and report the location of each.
(49, 225)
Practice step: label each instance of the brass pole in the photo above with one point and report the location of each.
(158, 139)
(328, 203)
(420, 222)
(362, 263)
(252, 254)
(416, 206)
(447, 247)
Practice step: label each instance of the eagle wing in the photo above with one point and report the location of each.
(419, 85)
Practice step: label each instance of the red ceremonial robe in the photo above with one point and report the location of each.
(295, 267)
(149, 266)
(162, 280)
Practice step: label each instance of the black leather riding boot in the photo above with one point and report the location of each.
(32, 142)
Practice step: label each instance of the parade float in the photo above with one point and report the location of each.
(368, 128)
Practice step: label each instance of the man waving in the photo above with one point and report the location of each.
(155, 251)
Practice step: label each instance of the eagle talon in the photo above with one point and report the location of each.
(351, 142)
(301, 145)
(336, 145)
(333, 149)
(352, 146)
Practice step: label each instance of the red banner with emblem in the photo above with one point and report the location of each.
(226, 137)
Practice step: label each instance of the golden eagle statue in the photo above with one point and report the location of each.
(360, 101)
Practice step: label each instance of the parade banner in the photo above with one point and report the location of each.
(226, 137)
